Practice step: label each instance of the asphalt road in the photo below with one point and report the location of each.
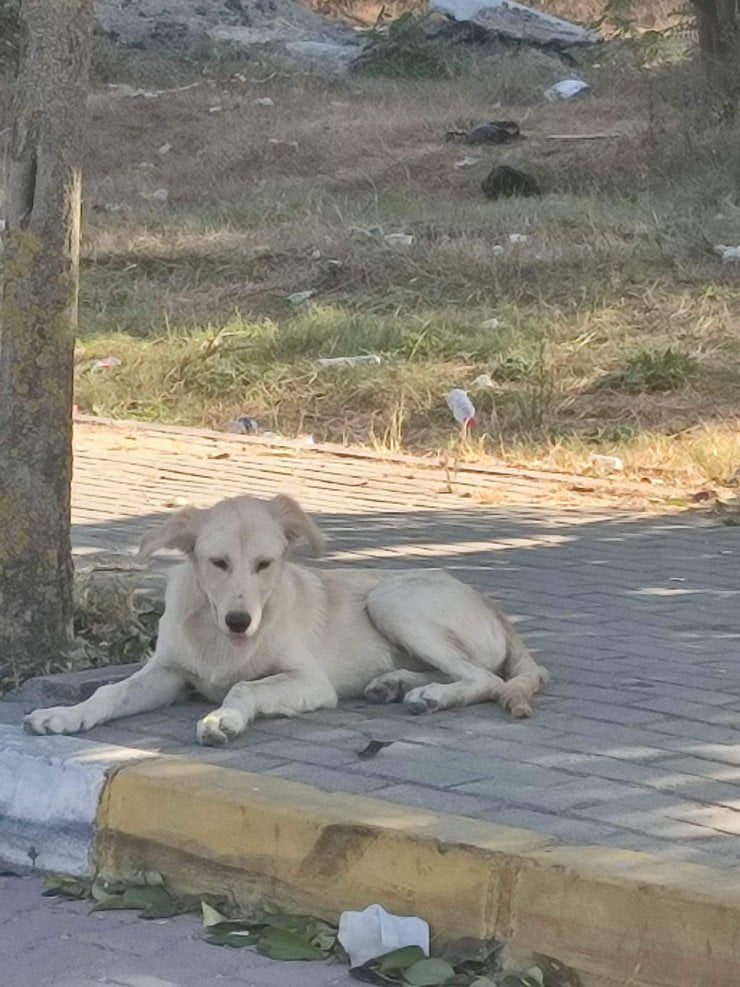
(52, 942)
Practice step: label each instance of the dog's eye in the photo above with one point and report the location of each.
(263, 564)
(221, 564)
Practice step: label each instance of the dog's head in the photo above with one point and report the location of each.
(237, 549)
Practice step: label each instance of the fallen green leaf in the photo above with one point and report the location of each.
(211, 916)
(429, 973)
(476, 957)
(556, 974)
(282, 944)
(229, 934)
(373, 748)
(152, 879)
(65, 886)
(325, 939)
(483, 982)
(105, 890)
(369, 975)
(400, 959)
(150, 901)
(388, 969)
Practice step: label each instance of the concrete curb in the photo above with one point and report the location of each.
(618, 917)
(50, 789)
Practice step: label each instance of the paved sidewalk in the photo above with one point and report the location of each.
(636, 743)
(50, 942)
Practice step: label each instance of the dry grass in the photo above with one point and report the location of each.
(266, 201)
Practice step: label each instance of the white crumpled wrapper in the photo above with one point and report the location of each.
(374, 932)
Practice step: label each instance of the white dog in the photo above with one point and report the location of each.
(265, 637)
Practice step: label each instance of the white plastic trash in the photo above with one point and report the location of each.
(158, 195)
(106, 363)
(462, 408)
(612, 464)
(566, 89)
(467, 162)
(399, 239)
(349, 361)
(374, 932)
(728, 254)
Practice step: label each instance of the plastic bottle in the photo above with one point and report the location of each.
(462, 408)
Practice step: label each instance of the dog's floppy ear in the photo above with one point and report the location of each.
(178, 532)
(296, 524)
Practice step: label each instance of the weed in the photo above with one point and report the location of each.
(406, 48)
(513, 368)
(656, 370)
(114, 623)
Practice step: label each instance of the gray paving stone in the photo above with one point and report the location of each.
(558, 799)
(414, 762)
(695, 730)
(329, 779)
(450, 801)
(293, 750)
(667, 827)
(703, 768)
(608, 713)
(715, 792)
(569, 830)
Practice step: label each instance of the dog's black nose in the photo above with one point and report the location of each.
(237, 621)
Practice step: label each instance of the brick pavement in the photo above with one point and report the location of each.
(50, 942)
(636, 743)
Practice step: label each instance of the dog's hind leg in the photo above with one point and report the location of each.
(524, 677)
(447, 626)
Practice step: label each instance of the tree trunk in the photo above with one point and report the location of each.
(39, 318)
(718, 23)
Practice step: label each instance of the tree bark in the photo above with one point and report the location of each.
(39, 318)
(718, 23)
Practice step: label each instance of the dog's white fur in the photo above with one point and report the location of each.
(315, 637)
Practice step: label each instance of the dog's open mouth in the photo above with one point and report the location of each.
(240, 640)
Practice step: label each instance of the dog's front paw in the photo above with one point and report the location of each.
(219, 727)
(56, 719)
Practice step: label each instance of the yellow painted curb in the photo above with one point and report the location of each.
(622, 919)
